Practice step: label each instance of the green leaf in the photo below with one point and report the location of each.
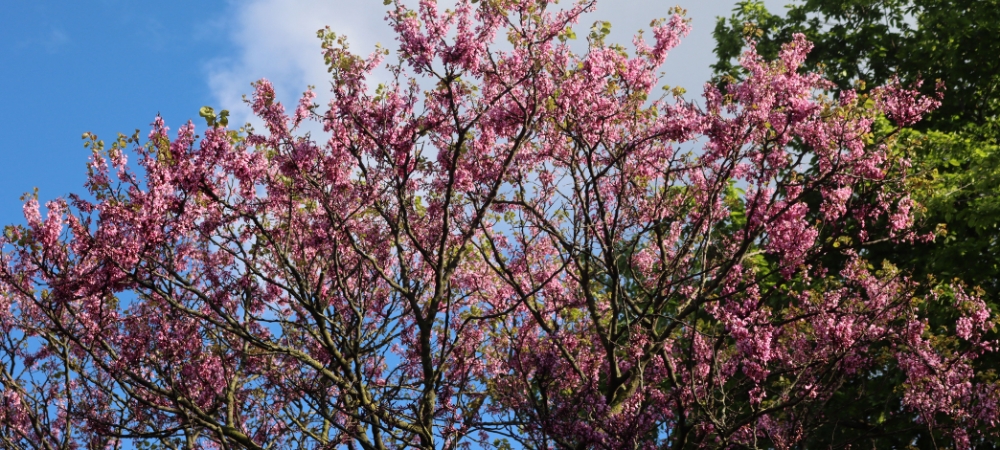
(209, 114)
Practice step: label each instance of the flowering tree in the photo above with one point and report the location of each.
(956, 166)
(502, 245)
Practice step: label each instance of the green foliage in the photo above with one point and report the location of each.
(213, 119)
(959, 185)
(955, 177)
(954, 41)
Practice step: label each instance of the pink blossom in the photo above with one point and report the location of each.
(501, 240)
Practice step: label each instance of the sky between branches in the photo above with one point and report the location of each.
(110, 66)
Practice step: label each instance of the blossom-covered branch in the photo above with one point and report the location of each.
(501, 244)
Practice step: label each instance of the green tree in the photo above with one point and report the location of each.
(952, 47)
(954, 41)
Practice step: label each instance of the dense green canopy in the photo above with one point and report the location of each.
(955, 176)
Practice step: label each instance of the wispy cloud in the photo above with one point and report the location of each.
(276, 39)
(56, 39)
(50, 41)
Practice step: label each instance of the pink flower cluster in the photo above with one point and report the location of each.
(514, 242)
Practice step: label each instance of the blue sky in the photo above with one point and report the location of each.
(109, 66)
(100, 66)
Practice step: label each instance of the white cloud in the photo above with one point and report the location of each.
(688, 65)
(276, 39)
